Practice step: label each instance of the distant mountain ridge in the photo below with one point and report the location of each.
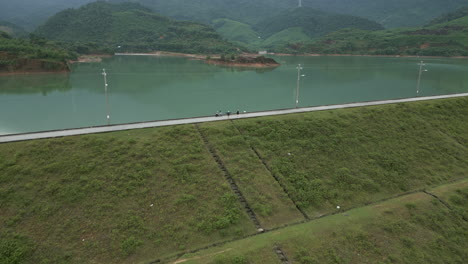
(313, 22)
(444, 39)
(389, 13)
(459, 13)
(131, 27)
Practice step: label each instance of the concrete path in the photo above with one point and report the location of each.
(111, 128)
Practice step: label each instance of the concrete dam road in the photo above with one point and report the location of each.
(120, 127)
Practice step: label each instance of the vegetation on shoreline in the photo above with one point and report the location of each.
(33, 55)
(243, 61)
(140, 195)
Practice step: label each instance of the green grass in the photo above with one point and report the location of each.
(355, 156)
(414, 228)
(140, 195)
(266, 197)
(88, 198)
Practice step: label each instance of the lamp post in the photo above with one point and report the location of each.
(107, 98)
(299, 68)
(421, 70)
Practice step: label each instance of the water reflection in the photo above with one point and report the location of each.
(144, 88)
(35, 83)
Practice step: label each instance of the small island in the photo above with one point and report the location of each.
(243, 61)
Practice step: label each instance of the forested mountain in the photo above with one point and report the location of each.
(131, 27)
(313, 22)
(390, 13)
(293, 25)
(205, 11)
(445, 39)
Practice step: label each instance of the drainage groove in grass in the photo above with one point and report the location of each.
(272, 173)
(443, 202)
(281, 255)
(342, 211)
(231, 181)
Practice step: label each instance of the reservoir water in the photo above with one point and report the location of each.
(148, 88)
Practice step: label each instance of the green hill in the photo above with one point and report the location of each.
(391, 14)
(205, 11)
(446, 39)
(396, 13)
(313, 22)
(289, 35)
(235, 31)
(133, 28)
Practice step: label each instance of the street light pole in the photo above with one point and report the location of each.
(421, 70)
(107, 98)
(299, 68)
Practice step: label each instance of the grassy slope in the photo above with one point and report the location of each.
(267, 199)
(55, 193)
(354, 156)
(411, 229)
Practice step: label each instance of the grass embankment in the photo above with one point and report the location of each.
(415, 228)
(113, 198)
(355, 156)
(56, 192)
(266, 197)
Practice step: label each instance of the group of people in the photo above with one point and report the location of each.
(228, 113)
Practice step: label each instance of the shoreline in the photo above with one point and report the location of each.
(90, 58)
(244, 65)
(366, 55)
(200, 56)
(98, 58)
(32, 72)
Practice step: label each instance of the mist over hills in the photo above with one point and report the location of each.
(395, 13)
(390, 13)
(31, 13)
(12, 29)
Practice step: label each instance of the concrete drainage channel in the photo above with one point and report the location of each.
(271, 172)
(231, 182)
(281, 255)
